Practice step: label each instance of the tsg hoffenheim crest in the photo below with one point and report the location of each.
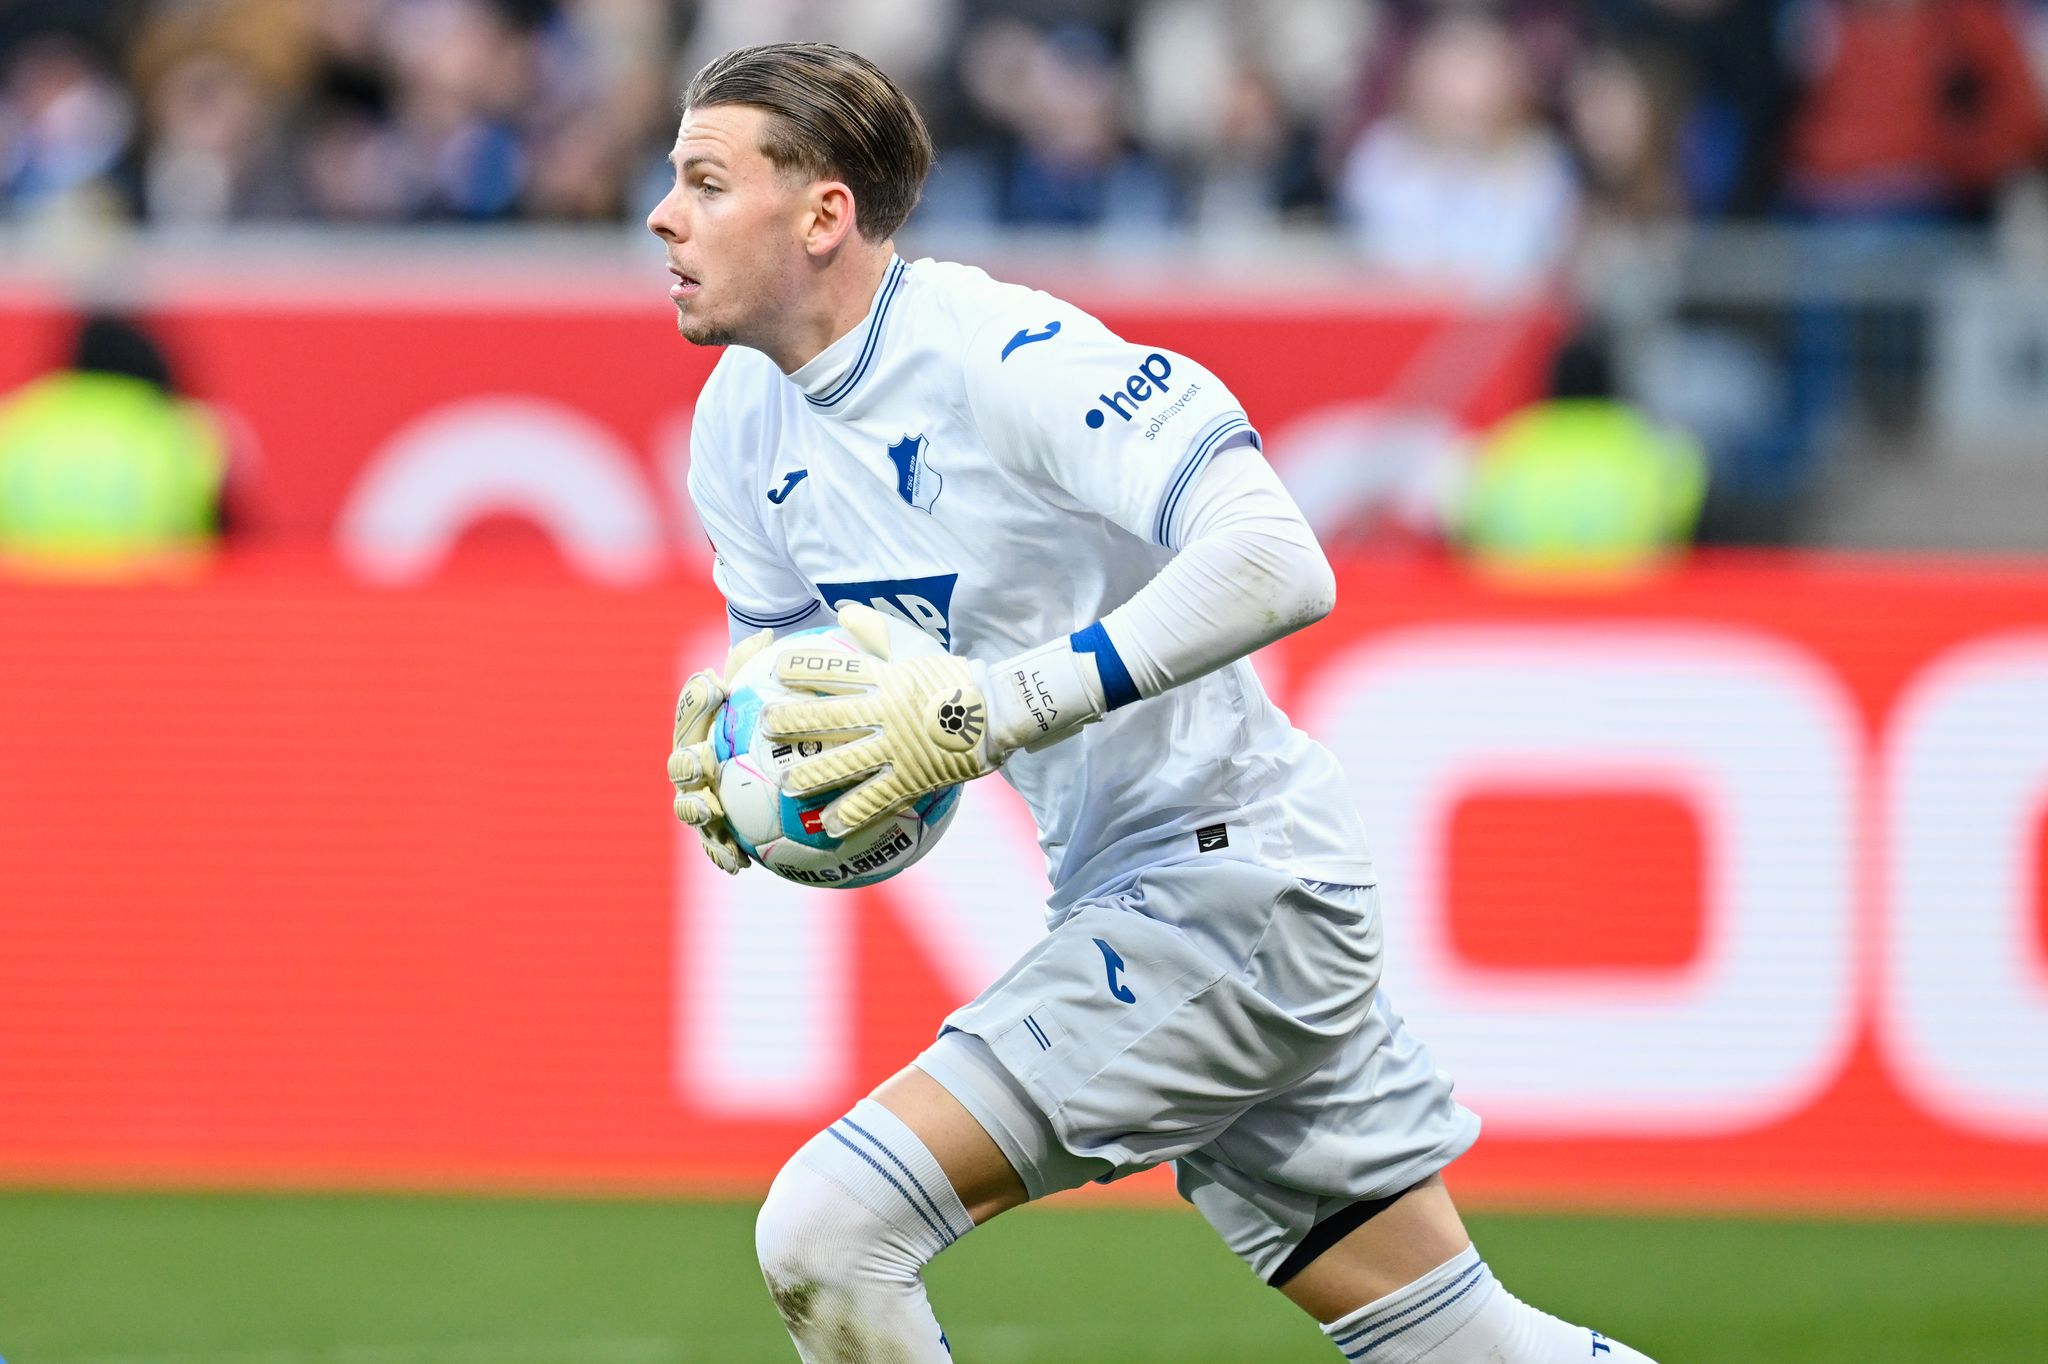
(916, 480)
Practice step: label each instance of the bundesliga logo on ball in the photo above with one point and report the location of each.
(784, 833)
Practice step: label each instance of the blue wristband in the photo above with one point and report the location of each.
(1117, 687)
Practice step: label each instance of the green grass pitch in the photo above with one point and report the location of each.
(249, 1279)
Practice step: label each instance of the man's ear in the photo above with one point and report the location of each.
(829, 217)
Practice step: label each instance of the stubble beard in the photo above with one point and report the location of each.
(700, 332)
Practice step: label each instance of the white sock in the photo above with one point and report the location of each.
(845, 1234)
(1459, 1314)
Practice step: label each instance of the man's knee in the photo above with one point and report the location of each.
(796, 1219)
(845, 1234)
(805, 1243)
(861, 1207)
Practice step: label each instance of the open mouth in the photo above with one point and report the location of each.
(685, 285)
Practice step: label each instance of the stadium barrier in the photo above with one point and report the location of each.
(391, 411)
(1729, 889)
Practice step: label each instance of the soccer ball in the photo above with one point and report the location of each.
(785, 834)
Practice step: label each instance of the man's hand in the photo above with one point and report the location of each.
(693, 767)
(907, 721)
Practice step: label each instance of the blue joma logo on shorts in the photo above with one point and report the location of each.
(1115, 965)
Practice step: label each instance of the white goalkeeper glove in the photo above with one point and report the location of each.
(903, 722)
(693, 766)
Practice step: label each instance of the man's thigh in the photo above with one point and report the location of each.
(1392, 1248)
(1376, 1120)
(980, 1173)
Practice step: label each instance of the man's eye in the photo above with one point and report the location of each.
(708, 190)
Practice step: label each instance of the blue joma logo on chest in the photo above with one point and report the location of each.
(926, 603)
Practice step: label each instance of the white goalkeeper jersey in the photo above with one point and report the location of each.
(997, 467)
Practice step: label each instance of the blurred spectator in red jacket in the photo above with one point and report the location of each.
(1911, 106)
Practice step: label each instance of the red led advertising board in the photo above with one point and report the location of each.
(1727, 889)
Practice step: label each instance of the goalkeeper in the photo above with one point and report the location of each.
(1088, 527)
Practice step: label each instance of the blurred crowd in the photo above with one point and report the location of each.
(1474, 139)
(1493, 144)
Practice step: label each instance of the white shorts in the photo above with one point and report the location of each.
(1221, 1015)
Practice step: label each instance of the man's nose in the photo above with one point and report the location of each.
(664, 222)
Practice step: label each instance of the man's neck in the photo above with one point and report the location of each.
(841, 296)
